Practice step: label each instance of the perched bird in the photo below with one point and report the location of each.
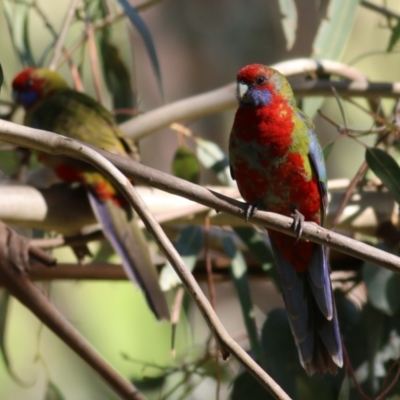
(51, 105)
(278, 164)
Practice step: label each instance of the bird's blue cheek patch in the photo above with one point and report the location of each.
(260, 97)
(27, 99)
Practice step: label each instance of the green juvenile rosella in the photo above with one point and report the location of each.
(51, 105)
(278, 164)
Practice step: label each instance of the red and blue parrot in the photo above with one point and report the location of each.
(51, 105)
(278, 164)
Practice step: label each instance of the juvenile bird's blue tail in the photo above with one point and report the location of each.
(128, 241)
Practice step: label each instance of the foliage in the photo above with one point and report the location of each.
(107, 313)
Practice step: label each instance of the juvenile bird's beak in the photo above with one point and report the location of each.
(241, 90)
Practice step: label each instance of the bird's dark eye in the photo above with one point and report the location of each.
(260, 80)
(30, 83)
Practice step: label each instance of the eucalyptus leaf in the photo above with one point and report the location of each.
(140, 25)
(386, 169)
(4, 303)
(328, 149)
(1, 76)
(212, 157)
(189, 243)
(239, 275)
(394, 37)
(330, 41)
(17, 18)
(117, 77)
(280, 350)
(344, 393)
(383, 288)
(53, 392)
(185, 165)
(245, 386)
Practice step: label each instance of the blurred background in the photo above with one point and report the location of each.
(200, 46)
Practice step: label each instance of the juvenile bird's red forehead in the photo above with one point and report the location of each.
(23, 77)
(250, 72)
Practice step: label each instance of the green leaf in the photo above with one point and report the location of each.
(386, 169)
(4, 302)
(344, 393)
(117, 77)
(256, 243)
(327, 149)
(394, 37)
(140, 25)
(212, 157)
(185, 165)
(239, 274)
(245, 386)
(17, 18)
(53, 392)
(289, 21)
(383, 288)
(331, 39)
(280, 350)
(188, 245)
(1, 76)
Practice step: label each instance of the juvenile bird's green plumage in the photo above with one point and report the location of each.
(51, 105)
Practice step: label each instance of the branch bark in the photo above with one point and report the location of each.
(57, 144)
(223, 99)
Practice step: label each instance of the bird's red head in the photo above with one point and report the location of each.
(32, 85)
(257, 85)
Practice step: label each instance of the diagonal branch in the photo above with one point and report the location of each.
(56, 144)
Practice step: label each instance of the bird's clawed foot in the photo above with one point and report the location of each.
(298, 223)
(251, 209)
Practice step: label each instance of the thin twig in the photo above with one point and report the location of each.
(381, 10)
(61, 38)
(94, 62)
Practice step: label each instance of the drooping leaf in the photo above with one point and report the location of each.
(344, 393)
(140, 25)
(280, 350)
(383, 287)
(386, 169)
(185, 165)
(1, 76)
(53, 392)
(327, 150)
(245, 386)
(239, 275)
(17, 18)
(394, 37)
(188, 245)
(258, 246)
(289, 21)
(212, 157)
(331, 39)
(4, 301)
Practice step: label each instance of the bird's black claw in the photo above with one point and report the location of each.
(251, 209)
(298, 223)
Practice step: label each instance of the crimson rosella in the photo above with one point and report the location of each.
(51, 105)
(278, 164)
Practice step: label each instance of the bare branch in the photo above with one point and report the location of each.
(223, 99)
(57, 144)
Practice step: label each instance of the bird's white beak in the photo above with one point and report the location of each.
(242, 89)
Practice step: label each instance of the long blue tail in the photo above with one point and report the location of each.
(311, 310)
(129, 243)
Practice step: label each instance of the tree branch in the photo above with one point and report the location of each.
(223, 99)
(57, 144)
